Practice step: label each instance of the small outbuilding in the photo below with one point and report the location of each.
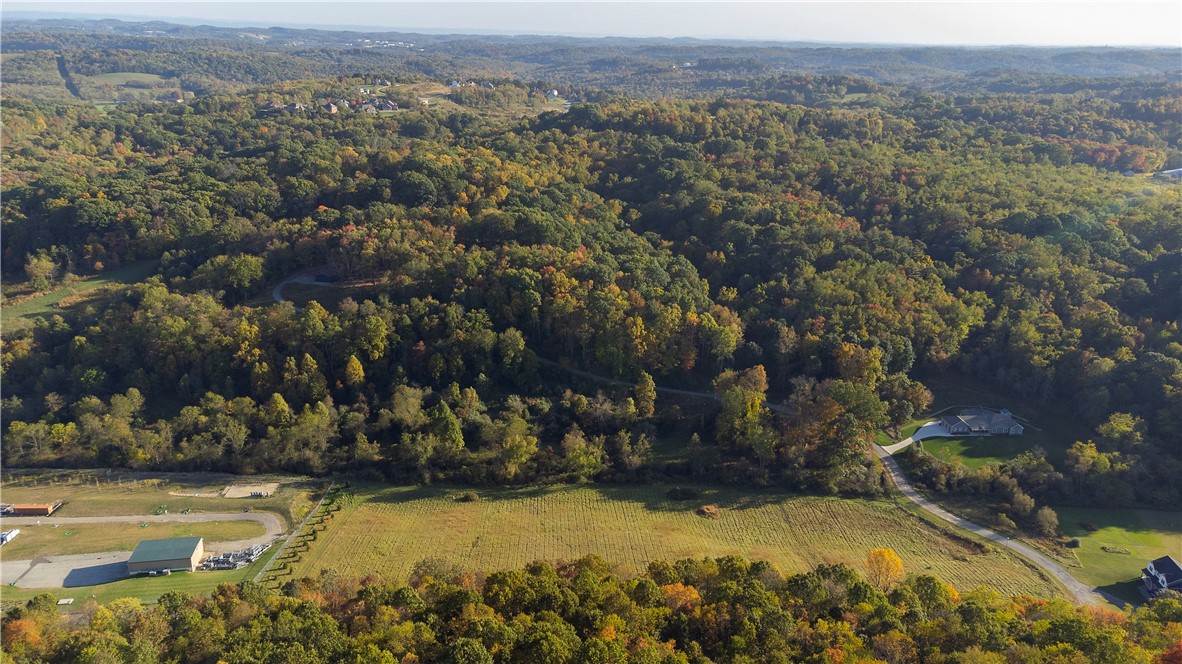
(176, 554)
(33, 509)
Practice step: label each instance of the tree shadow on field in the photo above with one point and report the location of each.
(458, 493)
(652, 497)
(1129, 591)
(656, 497)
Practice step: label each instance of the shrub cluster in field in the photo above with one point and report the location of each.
(709, 610)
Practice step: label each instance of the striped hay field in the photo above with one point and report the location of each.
(386, 530)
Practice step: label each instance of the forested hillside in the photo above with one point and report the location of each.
(723, 610)
(824, 257)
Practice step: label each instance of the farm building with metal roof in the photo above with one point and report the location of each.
(176, 554)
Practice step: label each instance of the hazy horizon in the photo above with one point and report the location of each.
(1133, 24)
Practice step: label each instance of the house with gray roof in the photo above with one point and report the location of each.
(982, 422)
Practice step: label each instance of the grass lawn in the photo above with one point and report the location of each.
(18, 316)
(144, 588)
(143, 494)
(977, 451)
(1145, 534)
(47, 540)
(124, 77)
(386, 530)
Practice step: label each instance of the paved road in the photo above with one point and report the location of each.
(271, 522)
(1083, 593)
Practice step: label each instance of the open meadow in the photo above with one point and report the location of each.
(387, 530)
(21, 314)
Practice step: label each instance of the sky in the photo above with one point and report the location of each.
(1062, 23)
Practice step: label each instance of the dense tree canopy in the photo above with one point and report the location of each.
(839, 252)
(720, 610)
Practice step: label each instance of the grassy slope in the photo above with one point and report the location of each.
(122, 77)
(46, 540)
(1145, 534)
(21, 315)
(391, 529)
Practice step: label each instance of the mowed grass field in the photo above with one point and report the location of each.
(976, 451)
(93, 493)
(1145, 534)
(387, 530)
(48, 540)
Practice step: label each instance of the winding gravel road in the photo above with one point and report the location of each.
(1083, 593)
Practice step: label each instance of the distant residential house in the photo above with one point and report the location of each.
(344, 103)
(423, 101)
(295, 107)
(385, 104)
(982, 422)
(330, 107)
(1162, 574)
(552, 94)
(367, 108)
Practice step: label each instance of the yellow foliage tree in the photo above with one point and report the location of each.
(354, 372)
(884, 567)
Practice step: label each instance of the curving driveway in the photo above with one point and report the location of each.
(931, 429)
(1082, 593)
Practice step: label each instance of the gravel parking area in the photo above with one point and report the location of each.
(88, 569)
